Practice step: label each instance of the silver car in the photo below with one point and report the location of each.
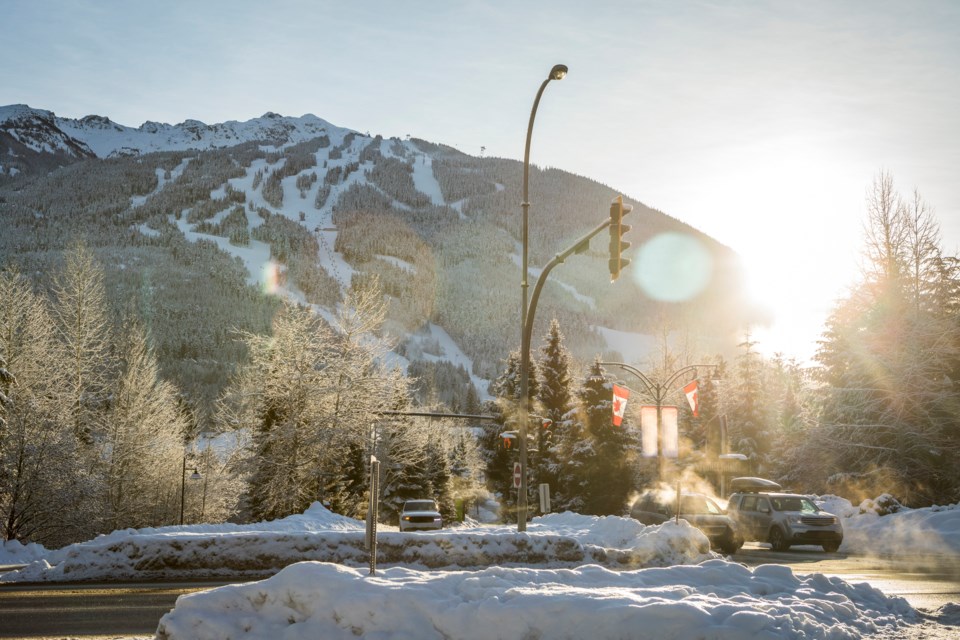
(784, 519)
(420, 514)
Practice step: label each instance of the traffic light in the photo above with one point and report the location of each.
(617, 229)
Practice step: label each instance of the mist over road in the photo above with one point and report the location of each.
(926, 582)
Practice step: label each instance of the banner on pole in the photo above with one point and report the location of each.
(693, 397)
(671, 433)
(648, 431)
(620, 395)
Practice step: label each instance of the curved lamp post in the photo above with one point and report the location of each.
(558, 72)
(659, 390)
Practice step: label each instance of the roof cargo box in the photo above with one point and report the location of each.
(753, 485)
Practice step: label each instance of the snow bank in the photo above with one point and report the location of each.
(911, 532)
(716, 599)
(257, 550)
(13, 552)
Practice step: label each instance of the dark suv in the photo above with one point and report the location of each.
(784, 519)
(697, 509)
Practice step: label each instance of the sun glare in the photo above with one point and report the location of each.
(791, 207)
(798, 297)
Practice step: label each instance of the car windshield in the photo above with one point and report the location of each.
(802, 505)
(420, 505)
(698, 504)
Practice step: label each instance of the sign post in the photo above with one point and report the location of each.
(373, 513)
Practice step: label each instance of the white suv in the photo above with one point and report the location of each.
(784, 519)
(420, 514)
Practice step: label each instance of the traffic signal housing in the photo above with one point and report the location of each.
(617, 245)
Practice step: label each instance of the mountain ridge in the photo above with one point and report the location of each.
(326, 204)
(42, 130)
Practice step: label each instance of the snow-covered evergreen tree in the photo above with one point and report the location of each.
(80, 309)
(45, 490)
(142, 444)
(556, 400)
(608, 474)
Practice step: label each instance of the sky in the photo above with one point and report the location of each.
(761, 123)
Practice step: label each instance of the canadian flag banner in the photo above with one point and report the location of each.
(620, 395)
(693, 397)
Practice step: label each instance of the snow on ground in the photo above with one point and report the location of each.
(567, 576)
(255, 550)
(255, 256)
(423, 179)
(634, 347)
(716, 599)
(447, 350)
(535, 274)
(929, 531)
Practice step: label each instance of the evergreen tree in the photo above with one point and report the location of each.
(556, 400)
(749, 418)
(44, 489)
(143, 442)
(280, 402)
(888, 407)
(80, 309)
(404, 481)
(608, 473)
(498, 455)
(576, 453)
(438, 475)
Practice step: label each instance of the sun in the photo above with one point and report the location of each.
(798, 295)
(791, 206)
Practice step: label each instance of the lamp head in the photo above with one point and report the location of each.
(558, 72)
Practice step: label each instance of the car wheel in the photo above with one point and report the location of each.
(831, 547)
(777, 540)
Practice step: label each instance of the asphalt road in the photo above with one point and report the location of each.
(61, 610)
(926, 583)
(133, 609)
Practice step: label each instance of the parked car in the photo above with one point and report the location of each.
(695, 508)
(420, 514)
(782, 519)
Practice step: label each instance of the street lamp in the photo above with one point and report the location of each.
(183, 483)
(558, 72)
(659, 390)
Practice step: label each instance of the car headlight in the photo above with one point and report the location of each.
(407, 518)
(795, 520)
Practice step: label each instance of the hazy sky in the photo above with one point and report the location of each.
(760, 123)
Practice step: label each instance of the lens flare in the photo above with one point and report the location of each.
(270, 277)
(673, 267)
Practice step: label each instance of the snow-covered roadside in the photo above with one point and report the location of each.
(930, 531)
(567, 576)
(715, 599)
(256, 550)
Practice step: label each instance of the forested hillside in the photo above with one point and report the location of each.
(262, 292)
(438, 228)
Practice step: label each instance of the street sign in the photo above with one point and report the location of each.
(516, 475)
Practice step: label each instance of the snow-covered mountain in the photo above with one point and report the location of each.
(303, 206)
(43, 132)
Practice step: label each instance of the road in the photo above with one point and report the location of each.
(89, 610)
(925, 582)
(134, 609)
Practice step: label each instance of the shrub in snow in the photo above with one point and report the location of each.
(882, 505)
